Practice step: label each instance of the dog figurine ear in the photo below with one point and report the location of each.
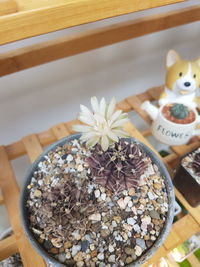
(172, 58)
(198, 62)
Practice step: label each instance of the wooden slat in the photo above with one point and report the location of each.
(8, 247)
(60, 130)
(33, 147)
(10, 192)
(135, 103)
(182, 150)
(155, 92)
(38, 21)
(70, 124)
(186, 227)
(124, 105)
(1, 200)
(195, 212)
(7, 7)
(172, 241)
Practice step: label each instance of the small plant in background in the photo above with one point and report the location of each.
(103, 125)
(179, 111)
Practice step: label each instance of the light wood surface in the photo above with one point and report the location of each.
(7, 7)
(37, 54)
(60, 131)
(73, 12)
(10, 192)
(8, 247)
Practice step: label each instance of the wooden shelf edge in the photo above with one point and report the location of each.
(39, 21)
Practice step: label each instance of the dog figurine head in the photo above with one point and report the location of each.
(182, 77)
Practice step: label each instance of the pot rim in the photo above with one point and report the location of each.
(155, 159)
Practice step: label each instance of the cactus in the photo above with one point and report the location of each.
(179, 111)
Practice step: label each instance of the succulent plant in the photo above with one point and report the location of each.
(120, 167)
(196, 163)
(103, 125)
(179, 111)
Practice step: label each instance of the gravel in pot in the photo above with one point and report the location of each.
(97, 206)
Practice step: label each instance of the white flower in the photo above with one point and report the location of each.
(103, 126)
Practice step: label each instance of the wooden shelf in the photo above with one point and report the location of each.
(32, 146)
(35, 17)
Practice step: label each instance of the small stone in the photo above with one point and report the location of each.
(138, 251)
(140, 242)
(93, 253)
(54, 250)
(76, 235)
(92, 247)
(80, 264)
(121, 203)
(69, 158)
(153, 238)
(154, 214)
(114, 224)
(97, 193)
(146, 237)
(37, 193)
(111, 258)
(157, 186)
(124, 236)
(130, 204)
(95, 217)
(84, 245)
(111, 248)
(146, 219)
(131, 192)
(56, 242)
(103, 196)
(117, 219)
(149, 243)
(151, 195)
(75, 249)
(67, 244)
(129, 260)
(62, 257)
(136, 228)
(105, 232)
(127, 199)
(127, 227)
(68, 255)
(100, 256)
(78, 257)
(129, 251)
(131, 221)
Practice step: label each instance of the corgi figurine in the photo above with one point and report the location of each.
(182, 80)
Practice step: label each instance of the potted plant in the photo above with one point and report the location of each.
(187, 178)
(98, 198)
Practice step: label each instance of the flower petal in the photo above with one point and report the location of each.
(103, 107)
(104, 143)
(120, 133)
(111, 108)
(87, 120)
(86, 136)
(99, 118)
(112, 136)
(81, 128)
(93, 141)
(119, 123)
(114, 117)
(95, 104)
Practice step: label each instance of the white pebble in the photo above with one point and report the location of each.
(111, 248)
(69, 158)
(114, 224)
(136, 227)
(97, 193)
(130, 204)
(151, 195)
(138, 250)
(131, 221)
(95, 217)
(103, 196)
(111, 258)
(100, 256)
(75, 249)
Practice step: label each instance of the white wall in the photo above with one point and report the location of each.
(35, 99)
